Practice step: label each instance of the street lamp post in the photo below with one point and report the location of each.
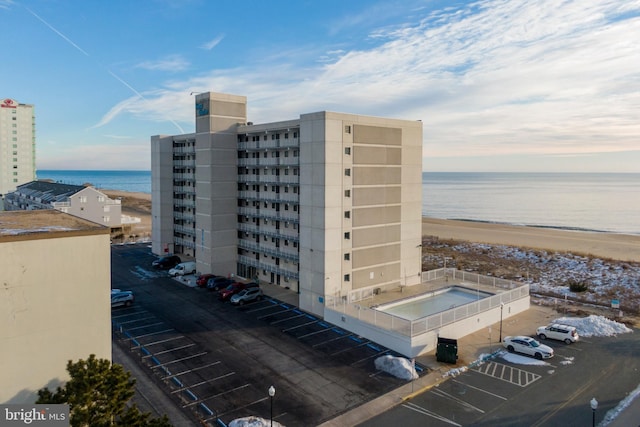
(501, 308)
(594, 406)
(272, 392)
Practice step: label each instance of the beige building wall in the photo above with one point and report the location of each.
(54, 307)
(361, 197)
(217, 119)
(17, 145)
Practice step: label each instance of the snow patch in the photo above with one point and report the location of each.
(253, 422)
(521, 360)
(595, 326)
(399, 367)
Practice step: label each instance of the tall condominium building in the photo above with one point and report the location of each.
(323, 204)
(17, 145)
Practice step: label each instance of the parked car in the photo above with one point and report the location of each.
(218, 283)
(247, 295)
(528, 346)
(183, 269)
(234, 288)
(166, 262)
(556, 331)
(121, 298)
(202, 279)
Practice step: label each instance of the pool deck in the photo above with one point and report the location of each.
(407, 292)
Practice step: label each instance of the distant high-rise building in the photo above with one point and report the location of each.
(323, 204)
(17, 145)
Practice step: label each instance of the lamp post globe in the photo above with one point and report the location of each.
(272, 392)
(594, 406)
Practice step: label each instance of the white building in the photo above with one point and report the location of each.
(17, 145)
(323, 204)
(82, 201)
(55, 303)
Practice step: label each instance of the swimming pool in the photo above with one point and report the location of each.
(433, 302)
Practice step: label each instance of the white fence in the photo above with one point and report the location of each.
(348, 305)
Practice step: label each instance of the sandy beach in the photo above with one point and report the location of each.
(606, 245)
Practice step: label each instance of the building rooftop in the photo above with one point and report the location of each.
(49, 192)
(24, 225)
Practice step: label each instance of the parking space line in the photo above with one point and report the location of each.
(508, 373)
(273, 314)
(313, 333)
(204, 382)
(299, 326)
(163, 341)
(218, 395)
(350, 348)
(286, 320)
(262, 399)
(439, 392)
(191, 370)
(152, 333)
(421, 410)
(168, 351)
(136, 320)
(332, 339)
(130, 314)
(179, 360)
(369, 357)
(145, 326)
(479, 389)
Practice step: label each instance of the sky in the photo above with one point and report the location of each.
(499, 85)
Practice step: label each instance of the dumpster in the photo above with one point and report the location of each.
(447, 350)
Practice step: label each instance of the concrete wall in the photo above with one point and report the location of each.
(162, 195)
(55, 307)
(426, 342)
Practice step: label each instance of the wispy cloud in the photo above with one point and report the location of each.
(212, 43)
(488, 78)
(173, 63)
(6, 4)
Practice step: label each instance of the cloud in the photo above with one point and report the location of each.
(6, 4)
(488, 78)
(212, 43)
(172, 63)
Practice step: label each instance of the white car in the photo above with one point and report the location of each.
(528, 346)
(119, 298)
(556, 331)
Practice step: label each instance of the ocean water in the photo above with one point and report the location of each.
(135, 181)
(607, 202)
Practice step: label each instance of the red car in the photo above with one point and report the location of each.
(202, 279)
(234, 288)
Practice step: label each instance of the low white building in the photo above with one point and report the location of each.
(82, 201)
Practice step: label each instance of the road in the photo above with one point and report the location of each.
(499, 392)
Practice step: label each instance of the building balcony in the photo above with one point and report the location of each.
(272, 268)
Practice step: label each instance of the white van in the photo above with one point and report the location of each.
(555, 331)
(183, 269)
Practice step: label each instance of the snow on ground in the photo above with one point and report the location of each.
(399, 367)
(594, 326)
(253, 422)
(520, 359)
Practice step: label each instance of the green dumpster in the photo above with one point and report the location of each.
(447, 350)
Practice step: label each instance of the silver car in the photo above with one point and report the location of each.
(247, 295)
(121, 298)
(528, 346)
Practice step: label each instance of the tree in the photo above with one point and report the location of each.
(97, 394)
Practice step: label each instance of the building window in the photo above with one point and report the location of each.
(347, 151)
(347, 235)
(286, 135)
(295, 153)
(347, 193)
(83, 199)
(347, 129)
(347, 214)
(347, 172)
(347, 256)
(295, 134)
(347, 277)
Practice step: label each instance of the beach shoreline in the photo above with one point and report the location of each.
(622, 247)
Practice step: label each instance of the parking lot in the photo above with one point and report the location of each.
(501, 391)
(217, 361)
